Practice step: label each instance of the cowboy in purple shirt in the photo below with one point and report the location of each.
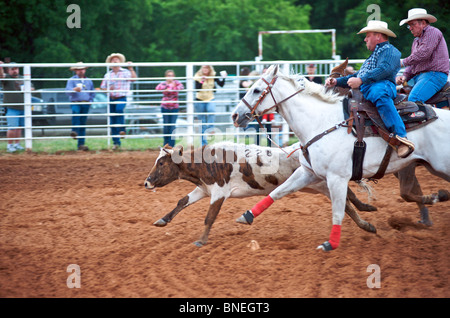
(428, 64)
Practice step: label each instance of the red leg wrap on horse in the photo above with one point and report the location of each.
(335, 236)
(262, 205)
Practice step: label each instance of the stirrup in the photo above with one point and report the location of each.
(406, 143)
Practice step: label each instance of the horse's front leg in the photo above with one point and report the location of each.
(300, 179)
(338, 195)
(192, 197)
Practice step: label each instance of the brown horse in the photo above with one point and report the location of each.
(410, 189)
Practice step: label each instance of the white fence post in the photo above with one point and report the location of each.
(27, 107)
(190, 102)
(108, 110)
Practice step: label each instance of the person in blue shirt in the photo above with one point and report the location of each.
(376, 80)
(80, 90)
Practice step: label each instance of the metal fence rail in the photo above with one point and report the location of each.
(47, 112)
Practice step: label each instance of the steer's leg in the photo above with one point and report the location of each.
(214, 209)
(192, 197)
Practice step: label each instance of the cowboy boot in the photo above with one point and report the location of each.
(405, 148)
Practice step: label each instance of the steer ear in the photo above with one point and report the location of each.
(179, 150)
(177, 154)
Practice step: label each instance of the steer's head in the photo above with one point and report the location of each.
(166, 168)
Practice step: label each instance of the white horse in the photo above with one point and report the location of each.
(317, 118)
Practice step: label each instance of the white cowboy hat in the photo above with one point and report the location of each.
(377, 26)
(120, 56)
(74, 68)
(418, 14)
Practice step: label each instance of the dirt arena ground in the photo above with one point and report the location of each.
(92, 210)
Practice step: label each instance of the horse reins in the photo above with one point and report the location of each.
(259, 101)
(261, 98)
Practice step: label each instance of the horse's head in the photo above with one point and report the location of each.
(260, 99)
(340, 71)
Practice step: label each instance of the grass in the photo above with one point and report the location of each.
(60, 146)
(53, 146)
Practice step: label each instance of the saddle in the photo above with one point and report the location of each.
(442, 98)
(365, 121)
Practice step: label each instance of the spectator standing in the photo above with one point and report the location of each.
(244, 84)
(205, 83)
(169, 105)
(118, 81)
(80, 90)
(311, 70)
(428, 64)
(13, 82)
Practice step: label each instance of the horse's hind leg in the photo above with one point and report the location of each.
(410, 191)
(366, 226)
(361, 206)
(213, 211)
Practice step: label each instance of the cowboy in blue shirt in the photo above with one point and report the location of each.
(376, 80)
(80, 90)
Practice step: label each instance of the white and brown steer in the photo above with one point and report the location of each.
(229, 170)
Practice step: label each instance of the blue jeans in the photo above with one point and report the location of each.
(206, 120)
(169, 117)
(426, 85)
(117, 120)
(382, 94)
(79, 121)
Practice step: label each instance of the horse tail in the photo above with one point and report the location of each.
(365, 187)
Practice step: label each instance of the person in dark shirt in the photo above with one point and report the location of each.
(311, 70)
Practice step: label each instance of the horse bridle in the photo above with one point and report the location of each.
(261, 98)
(259, 101)
(263, 95)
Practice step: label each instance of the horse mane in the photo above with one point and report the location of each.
(311, 88)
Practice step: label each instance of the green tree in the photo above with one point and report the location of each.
(227, 30)
(349, 16)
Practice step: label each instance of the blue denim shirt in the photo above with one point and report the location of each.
(382, 64)
(83, 95)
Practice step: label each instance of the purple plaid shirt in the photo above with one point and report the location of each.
(120, 80)
(429, 53)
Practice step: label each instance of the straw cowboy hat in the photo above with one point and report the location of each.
(377, 26)
(418, 14)
(80, 67)
(120, 56)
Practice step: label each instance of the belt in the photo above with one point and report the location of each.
(115, 98)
